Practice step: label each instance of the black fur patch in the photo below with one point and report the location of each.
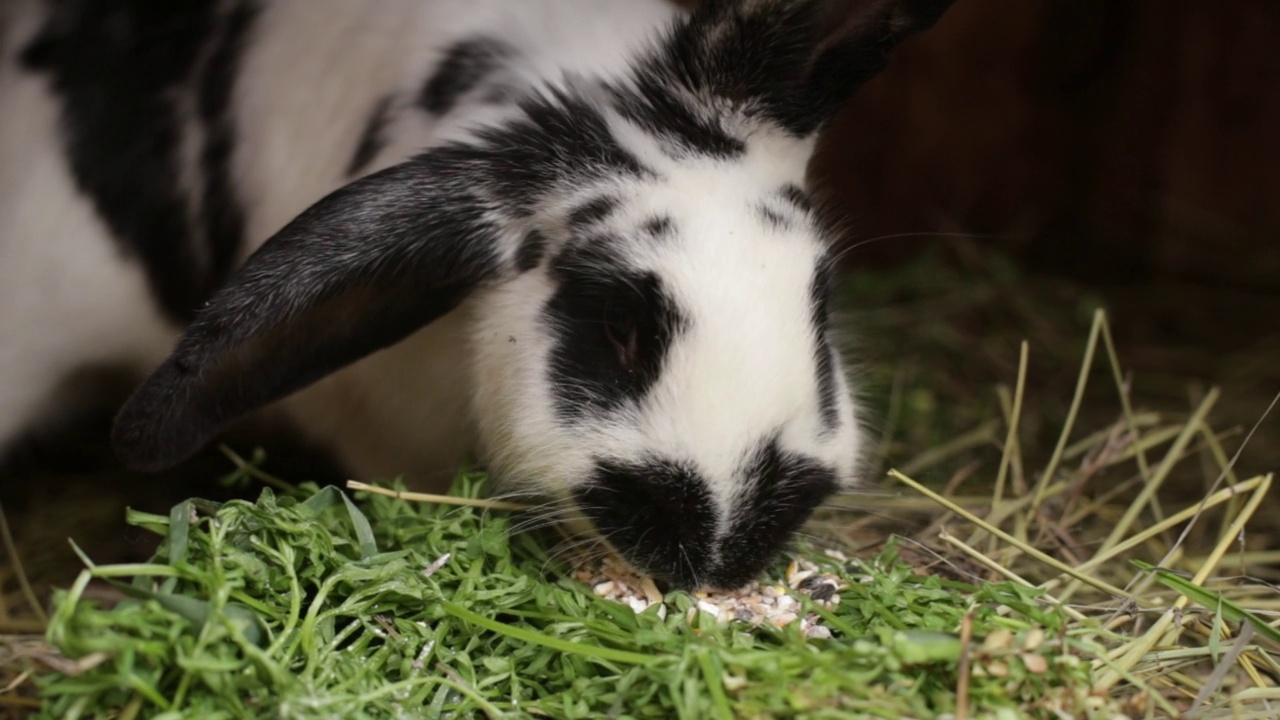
(221, 212)
(773, 218)
(531, 250)
(595, 291)
(827, 388)
(783, 490)
(658, 227)
(658, 513)
(797, 197)
(499, 95)
(116, 66)
(372, 138)
(592, 211)
(652, 106)
(358, 271)
(824, 353)
(320, 294)
(560, 133)
(464, 67)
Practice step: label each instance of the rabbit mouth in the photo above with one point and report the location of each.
(662, 517)
(658, 514)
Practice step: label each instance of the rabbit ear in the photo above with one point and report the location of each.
(794, 61)
(359, 270)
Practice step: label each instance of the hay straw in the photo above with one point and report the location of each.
(1147, 653)
(1011, 438)
(11, 549)
(1011, 540)
(436, 499)
(1128, 656)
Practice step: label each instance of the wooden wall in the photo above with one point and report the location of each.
(1111, 139)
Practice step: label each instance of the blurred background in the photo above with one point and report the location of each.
(1116, 141)
(1015, 168)
(1069, 154)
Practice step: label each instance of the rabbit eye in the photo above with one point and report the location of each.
(621, 332)
(613, 332)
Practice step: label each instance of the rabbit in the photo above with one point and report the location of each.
(570, 237)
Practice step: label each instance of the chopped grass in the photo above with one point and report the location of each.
(284, 607)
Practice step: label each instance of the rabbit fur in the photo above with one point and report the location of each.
(571, 237)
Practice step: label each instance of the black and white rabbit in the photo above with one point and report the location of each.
(570, 236)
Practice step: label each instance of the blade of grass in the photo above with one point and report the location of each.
(1129, 655)
(1077, 399)
(1033, 552)
(1210, 599)
(19, 571)
(1222, 496)
(179, 531)
(1145, 496)
(1122, 389)
(1006, 572)
(530, 636)
(438, 499)
(715, 685)
(1011, 435)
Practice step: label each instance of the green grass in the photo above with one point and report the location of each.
(302, 605)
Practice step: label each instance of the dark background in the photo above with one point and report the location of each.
(1123, 151)
(1115, 140)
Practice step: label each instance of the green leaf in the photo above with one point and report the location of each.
(1210, 599)
(364, 531)
(158, 524)
(322, 500)
(555, 643)
(179, 531)
(198, 612)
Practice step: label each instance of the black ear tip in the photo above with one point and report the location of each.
(136, 439)
(150, 433)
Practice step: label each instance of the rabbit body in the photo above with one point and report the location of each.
(567, 235)
(321, 91)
